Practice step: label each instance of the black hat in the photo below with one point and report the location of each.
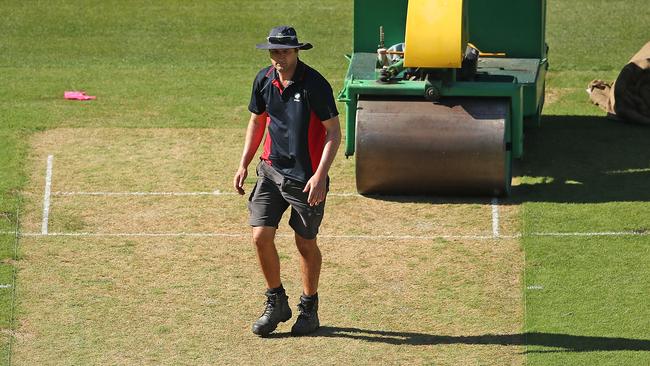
(282, 37)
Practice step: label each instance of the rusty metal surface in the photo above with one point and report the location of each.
(411, 147)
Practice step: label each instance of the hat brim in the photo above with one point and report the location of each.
(275, 46)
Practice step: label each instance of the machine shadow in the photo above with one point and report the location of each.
(573, 159)
(583, 159)
(559, 342)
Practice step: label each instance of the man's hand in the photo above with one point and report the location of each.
(238, 181)
(317, 188)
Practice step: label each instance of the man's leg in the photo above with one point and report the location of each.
(305, 221)
(310, 263)
(267, 254)
(277, 308)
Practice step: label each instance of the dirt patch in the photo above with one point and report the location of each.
(553, 95)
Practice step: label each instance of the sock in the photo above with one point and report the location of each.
(277, 290)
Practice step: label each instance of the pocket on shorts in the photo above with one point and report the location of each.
(250, 197)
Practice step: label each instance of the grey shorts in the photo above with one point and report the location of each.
(273, 194)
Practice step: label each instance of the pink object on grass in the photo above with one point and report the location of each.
(77, 95)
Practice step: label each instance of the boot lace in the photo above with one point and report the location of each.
(269, 305)
(305, 311)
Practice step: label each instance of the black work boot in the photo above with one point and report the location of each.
(307, 321)
(276, 310)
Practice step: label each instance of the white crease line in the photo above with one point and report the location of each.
(604, 233)
(214, 193)
(138, 234)
(46, 198)
(324, 236)
(495, 217)
(404, 237)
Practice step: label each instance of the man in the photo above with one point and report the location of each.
(295, 103)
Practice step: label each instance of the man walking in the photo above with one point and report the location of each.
(296, 105)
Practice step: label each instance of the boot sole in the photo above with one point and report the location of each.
(300, 334)
(264, 334)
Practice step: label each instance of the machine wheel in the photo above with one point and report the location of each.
(456, 146)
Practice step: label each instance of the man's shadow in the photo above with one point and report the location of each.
(565, 342)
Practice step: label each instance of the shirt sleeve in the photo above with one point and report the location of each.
(257, 104)
(321, 100)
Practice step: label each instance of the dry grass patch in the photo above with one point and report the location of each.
(376, 216)
(187, 160)
(229, 214)
(147, 160)
(553, 95)
(149, 214)
(185, 300)
(190, 301)
(139, 159)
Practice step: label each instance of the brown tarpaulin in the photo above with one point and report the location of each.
(629, 97)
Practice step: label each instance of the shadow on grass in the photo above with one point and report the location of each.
(576, 159)
(582, 159)
(565, 342)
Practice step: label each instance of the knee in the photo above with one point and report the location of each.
(307, 248)
(262, 239)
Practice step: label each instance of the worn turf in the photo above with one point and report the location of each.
(192, 301)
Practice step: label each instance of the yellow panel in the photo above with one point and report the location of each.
(434, 34)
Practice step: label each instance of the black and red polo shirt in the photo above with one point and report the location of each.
(295, 134)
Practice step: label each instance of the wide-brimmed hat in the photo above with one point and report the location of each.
(283, 37)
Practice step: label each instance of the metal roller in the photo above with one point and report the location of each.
(456, 146)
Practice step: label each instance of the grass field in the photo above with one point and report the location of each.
(168, 276)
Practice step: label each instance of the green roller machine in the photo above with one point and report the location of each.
(438, 91)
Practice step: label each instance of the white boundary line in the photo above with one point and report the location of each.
(46, 197)
(495, 217)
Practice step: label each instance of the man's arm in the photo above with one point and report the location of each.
(254, 134)
(317, 185)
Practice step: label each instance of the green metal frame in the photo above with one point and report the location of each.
(515, 27)
(354, 88)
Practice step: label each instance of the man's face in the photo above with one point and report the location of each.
(284, 59)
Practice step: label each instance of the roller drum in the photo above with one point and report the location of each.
(456, 146)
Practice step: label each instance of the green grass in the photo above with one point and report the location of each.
(583, 173)
(592, 305)
(190, 64)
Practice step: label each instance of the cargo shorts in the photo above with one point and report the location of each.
(273, 194)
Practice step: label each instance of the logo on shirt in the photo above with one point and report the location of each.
(296, 97)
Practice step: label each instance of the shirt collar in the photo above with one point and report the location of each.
(298, 75)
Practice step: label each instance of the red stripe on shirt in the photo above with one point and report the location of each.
(316, 140)
(267, 142)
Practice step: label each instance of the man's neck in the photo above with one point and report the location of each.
(286, 76)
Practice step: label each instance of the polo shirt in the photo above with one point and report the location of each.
(295, 135)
